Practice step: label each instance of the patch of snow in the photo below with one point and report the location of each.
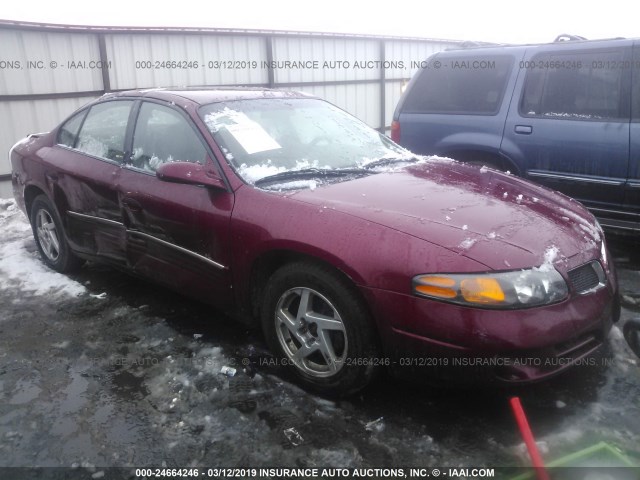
(467, 243)
(400, 157)
(295, 185)
(375, 425)
(254, 173)
(567, 436)
(20, 263)
(519, 198)
(436, 158)
(465, 227)
(616, 333)
(491, 235)
(550, 255)
(155, 162)
(93, 147)
(587, 227)
(484, 169)
(571, 115)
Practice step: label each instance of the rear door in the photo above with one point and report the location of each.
(569, 128)
(88, 155)
(177, 234)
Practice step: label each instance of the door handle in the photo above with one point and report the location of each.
(524, 129)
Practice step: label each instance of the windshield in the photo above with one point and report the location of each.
(265, 137)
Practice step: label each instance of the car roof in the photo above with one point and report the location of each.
(205, 95)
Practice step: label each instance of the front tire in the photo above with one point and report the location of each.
(316, 322)
(50, 237)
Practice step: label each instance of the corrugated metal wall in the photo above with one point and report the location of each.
(48, 71)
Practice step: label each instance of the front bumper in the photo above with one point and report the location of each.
(439, 340)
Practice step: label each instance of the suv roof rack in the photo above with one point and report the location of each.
(565, 37)
(474, 43)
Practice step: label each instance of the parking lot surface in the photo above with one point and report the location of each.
(100, 369)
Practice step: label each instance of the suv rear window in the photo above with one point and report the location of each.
(460, 85)
(575, 86)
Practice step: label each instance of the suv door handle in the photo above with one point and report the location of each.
(524, 129)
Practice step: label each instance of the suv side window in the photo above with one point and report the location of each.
(461, 85)
(575, 86)
(164, 135)
(103, 132)
(69, 131)
(635, 86)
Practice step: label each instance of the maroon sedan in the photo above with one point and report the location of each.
(352, 253)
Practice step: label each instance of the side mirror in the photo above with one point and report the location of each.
(189, 173)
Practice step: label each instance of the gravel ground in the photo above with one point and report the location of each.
(100, 369)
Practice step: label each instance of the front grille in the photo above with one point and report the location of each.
(586, 277)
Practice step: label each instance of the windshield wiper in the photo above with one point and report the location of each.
(310, 173)
(381, 162)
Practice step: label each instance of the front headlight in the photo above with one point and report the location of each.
(520, 289)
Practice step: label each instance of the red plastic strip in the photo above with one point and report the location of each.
(527, 436)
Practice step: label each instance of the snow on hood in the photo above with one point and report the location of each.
(20, 263)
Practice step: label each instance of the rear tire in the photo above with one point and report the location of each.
(50, 237)
(315, 321)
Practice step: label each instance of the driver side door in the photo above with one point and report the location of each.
(177, 234)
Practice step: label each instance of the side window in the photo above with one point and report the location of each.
(635, 86)
(576, 86)
(164, 135)
(102, 134)
(471, 85)
(69, 131)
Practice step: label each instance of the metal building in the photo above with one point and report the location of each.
(48, 71)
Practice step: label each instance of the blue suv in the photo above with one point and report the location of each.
(564, 114)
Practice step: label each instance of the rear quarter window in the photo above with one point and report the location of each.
(69, 131)
(576, 86)
(473, 84)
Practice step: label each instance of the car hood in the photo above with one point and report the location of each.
(491, 217)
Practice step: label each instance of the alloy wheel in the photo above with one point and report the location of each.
(311, 332)
(47, 235)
